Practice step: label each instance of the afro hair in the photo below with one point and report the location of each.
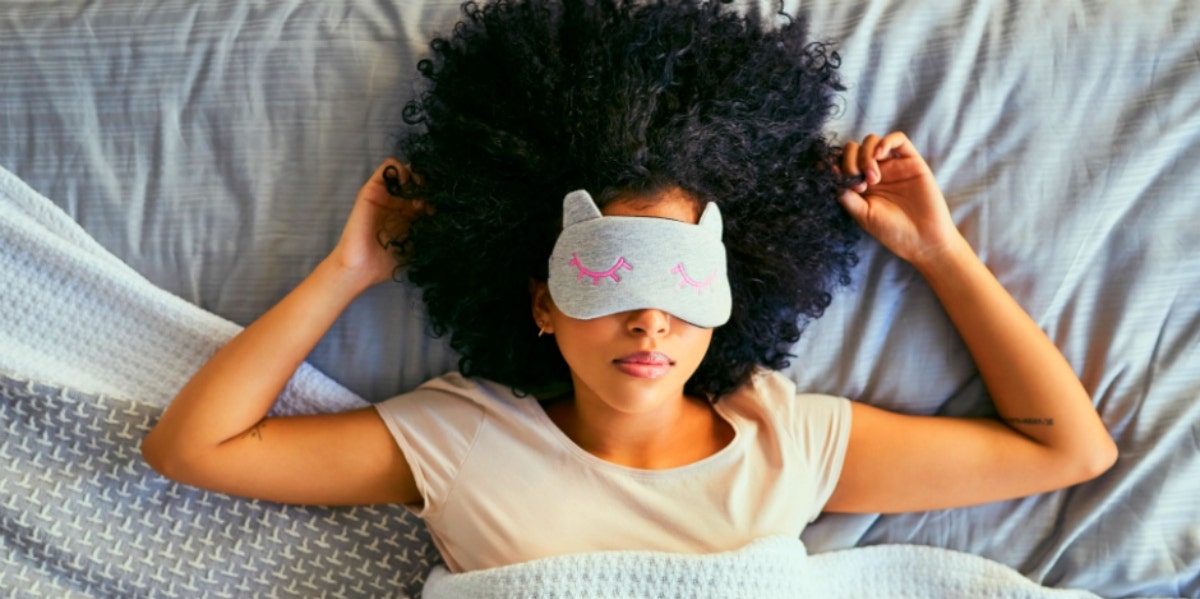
(527, 100)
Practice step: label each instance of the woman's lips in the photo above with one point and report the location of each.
(645, 365)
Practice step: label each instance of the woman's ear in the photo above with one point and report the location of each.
(539, 293)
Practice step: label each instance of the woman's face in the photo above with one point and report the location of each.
(631, 361)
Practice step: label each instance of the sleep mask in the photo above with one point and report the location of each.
(602, 265)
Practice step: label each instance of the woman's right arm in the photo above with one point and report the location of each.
(1049, 435)
(215, 434)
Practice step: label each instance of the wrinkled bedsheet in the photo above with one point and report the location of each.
(216, 147)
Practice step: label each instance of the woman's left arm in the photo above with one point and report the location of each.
(1048, 436)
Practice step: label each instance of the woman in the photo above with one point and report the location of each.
(670, 427)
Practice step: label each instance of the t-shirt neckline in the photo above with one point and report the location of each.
(581, 454)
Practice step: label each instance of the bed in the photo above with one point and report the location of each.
(208, 153)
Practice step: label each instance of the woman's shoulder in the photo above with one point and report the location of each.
(774, 384)
(775, 391)
(454, 389)
(453, 383)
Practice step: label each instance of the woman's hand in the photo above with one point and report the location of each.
(899, 201)
(377, 218)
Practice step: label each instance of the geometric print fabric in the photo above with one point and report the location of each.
(82, 515)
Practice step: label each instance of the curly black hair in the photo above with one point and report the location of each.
(530, 99)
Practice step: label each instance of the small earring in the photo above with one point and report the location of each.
(541, 329)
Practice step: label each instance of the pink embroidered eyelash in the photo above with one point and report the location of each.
(689, 281)
(596, 276)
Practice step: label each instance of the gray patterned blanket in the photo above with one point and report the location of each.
(90, 352)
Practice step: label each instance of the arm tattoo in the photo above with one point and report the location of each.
(1032, 421)
(256, 430)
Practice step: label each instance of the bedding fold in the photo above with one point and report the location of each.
(74, 315)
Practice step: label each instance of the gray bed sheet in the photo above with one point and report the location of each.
(216, 148)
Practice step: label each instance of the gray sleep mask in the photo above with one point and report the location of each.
(602, 265)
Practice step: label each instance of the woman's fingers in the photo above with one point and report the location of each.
(850, 168)
(894, 145)
(864, 159)
(854, 204)
(394, 179)
(393, 176)
(859, 160)
(867, 161)
(850, 159)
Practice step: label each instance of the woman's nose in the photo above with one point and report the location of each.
(650, 321)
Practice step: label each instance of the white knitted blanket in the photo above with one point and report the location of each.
(767, 568)
(74, 315)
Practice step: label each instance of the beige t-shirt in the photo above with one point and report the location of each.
(503, 484)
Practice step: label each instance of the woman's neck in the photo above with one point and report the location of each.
(677, 433)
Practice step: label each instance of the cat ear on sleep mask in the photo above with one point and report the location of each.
(603, 265)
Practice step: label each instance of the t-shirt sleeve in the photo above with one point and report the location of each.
(822, 431)
(435, 427)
